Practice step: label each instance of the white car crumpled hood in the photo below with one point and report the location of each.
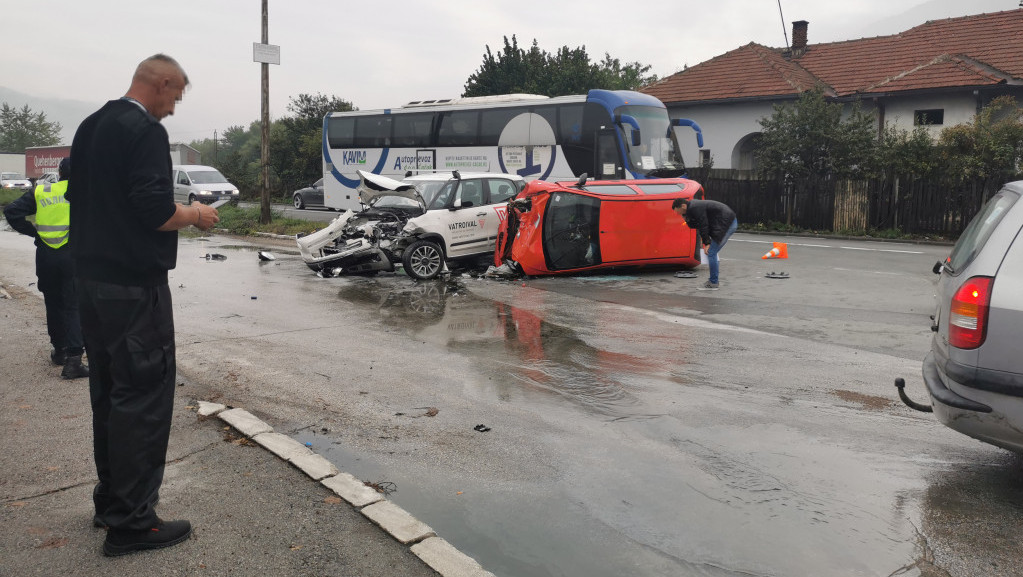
(373, 186)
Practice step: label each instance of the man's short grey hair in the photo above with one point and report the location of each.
(161, 59)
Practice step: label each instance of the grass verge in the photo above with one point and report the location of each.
(245, 221)
(9, 195)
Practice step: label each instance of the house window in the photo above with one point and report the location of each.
(705, 157)
(929, 117)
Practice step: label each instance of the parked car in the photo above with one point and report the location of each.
(14, 180)
(203, 183)
(974, 371)
(310, 196)
(569, 227)
(425, 222)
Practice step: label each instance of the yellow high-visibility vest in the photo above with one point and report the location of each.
(53, 213)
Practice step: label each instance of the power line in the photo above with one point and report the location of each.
(786, 33)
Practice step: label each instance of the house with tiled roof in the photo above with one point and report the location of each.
(937, 74)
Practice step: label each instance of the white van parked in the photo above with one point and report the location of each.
(203, 183)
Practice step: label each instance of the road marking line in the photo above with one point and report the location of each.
(832, 246)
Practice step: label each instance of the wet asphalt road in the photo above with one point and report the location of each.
(636, 426)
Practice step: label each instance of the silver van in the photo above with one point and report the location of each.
(974, 372)
(203, 183)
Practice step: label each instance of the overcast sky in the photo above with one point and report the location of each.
(383, 54)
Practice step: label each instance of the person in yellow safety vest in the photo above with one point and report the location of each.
(54, 267)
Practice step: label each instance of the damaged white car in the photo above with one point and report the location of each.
(424, 223)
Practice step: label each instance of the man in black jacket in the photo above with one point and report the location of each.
(124, 224)
(714, 222)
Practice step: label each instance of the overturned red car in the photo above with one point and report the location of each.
(571, 227)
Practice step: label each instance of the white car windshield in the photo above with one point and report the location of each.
(206, 176)
(427, 189)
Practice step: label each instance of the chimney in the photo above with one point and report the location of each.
(799, 37)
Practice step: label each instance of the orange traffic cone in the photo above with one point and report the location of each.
(780, 250)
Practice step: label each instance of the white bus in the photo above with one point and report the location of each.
(604, 134)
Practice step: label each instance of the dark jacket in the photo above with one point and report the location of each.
(17, 211)
(120, 192)
(710, 217)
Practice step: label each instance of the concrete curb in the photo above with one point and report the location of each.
(440, 555)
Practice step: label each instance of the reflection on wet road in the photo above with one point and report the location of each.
(513, 346)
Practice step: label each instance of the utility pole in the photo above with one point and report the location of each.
(267, 55)
(264, 149)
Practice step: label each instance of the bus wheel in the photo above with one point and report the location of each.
(423, 260)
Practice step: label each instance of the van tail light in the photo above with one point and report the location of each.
(967, 321)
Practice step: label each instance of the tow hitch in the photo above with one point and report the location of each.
(900, 384)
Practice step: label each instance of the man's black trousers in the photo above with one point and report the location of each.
(56, 272)
(129, 337)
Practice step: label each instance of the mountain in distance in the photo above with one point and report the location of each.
(69, 113)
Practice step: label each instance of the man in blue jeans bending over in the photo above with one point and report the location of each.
(715, 223)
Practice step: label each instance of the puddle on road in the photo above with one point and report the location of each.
(516, 348)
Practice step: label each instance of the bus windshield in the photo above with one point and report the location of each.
(657, 154)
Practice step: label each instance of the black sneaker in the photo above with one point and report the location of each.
(708, 286)
(74, 369)
(165, 534)
(58, 357)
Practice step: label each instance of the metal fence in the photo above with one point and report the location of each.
(933, 206)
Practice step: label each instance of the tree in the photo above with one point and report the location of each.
(22, 128)
(296, 150)
(296, 153)
(989, 147)
(535, 71)
(902, 152)
(810, 140)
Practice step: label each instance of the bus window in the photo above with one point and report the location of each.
(341, 132)
(412, 129)
(372, 131)
(577, 125)
(458, 128)
(570, 123)
(492, 123)
(608, 164)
